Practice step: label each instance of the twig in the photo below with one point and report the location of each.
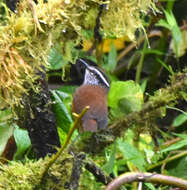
(170, 142)
(146, 177)
(133, 45)
(97, 172)
(151, 109)
(54, 158)
(76, 171)
(184, 26)
(32, 5)
(97, 35)
(167, 160)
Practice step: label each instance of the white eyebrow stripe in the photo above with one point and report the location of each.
(84, 62)
(100, 74)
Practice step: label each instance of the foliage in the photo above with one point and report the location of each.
(147, 97)
(22, 142)
(131, 154)
(122, 100)
(6, 129)
(28, 35)
(62, 110)
(171, 24)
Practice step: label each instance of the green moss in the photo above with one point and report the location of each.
(27, 36)
(123, 17)
(17, 175)
(26, 176)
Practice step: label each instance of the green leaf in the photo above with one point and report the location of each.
(177, 145)
(5, 116)
(163, 23)
(109, 166)
(68, 89)
(168, 68)
(124, 97)
(150, 186)
(182, 46)
(6, 128)
(22, 141)
(6, 132)
(132, 154)
(153, 51)
(55, 59)
(171, 24)
(144, 84)
(183, 136)
(111, 58)
(62, 135)
(178, 168)
(61, 108)
(179, 120)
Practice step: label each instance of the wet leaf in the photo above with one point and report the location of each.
(124, 97)
(61, 108)
(22, 141)
(109, 166)
(131, 154)
(6, 128)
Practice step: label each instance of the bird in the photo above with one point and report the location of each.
(93, 93)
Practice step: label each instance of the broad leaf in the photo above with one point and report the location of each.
(132, 154)
(109, 166)
(6, 128)
(61, 108)
(124, 97)
(6, 132)
(178, 168)
(22, 141)
(55, 59)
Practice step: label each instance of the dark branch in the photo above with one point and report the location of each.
(76, 171)
(97, 172)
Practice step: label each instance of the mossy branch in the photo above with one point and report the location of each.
(151, 109)
(35, 28)
(164, 97)
(55, 157)
(32, 5)
(146, 177)
(97, 172)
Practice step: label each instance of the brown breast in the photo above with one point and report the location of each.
(95, 97)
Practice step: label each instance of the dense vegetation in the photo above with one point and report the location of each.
(141, 46)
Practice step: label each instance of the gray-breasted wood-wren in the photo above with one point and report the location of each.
(93, 93)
